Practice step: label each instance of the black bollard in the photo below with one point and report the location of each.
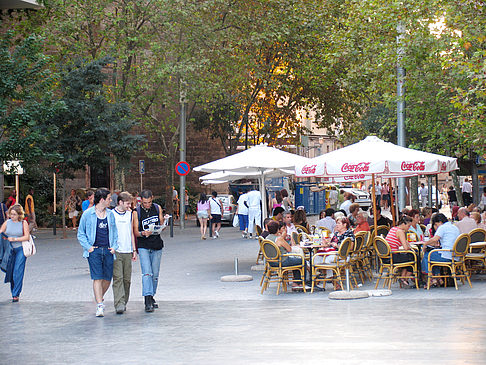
(171, 226)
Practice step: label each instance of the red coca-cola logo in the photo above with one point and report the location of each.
(443, 166)
(311, 169)
(359, 167)
(354, 177)
(413, 166)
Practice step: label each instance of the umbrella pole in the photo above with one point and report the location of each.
(373, 197)
(264, 199)
(392, 201)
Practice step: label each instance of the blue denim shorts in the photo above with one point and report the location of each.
(101, 264)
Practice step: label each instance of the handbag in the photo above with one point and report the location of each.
(29, 247)
(236, 221)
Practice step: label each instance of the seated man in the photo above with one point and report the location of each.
(287, 219)
(380, 220)
(278, 214)
(328, 220)
(466, 224)
(447, 233)
(265, 232)
(362, 222)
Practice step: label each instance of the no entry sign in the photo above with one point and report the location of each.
(182, 168)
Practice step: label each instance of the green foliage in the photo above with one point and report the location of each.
(26, 102)
(91, 129)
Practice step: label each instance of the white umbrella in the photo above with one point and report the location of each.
(222, 177)
(373, 156)
(256, 161)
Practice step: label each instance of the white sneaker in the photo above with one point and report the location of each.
(216, 233)
(100, 310)
(214, 237)
(243, 235)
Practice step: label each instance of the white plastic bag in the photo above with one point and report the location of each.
(236, 221)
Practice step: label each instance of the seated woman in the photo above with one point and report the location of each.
(397, 239)
(353, 214)
(342, 231)
(277, 233)
(415, 226)
(300, 219)
(445, 236)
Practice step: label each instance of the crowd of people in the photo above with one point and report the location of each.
(114, 230)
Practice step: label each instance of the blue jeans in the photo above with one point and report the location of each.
(18, 272)
(434, 256)
(150, 265)
(243, 219)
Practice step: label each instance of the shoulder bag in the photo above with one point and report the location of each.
(29, 247)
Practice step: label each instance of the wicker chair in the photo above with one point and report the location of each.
(301, 229)
(476, 257)
(340, 263)
(457, 266)
(385, 256)
(357, 254)
(260, 251)
(276, 272)
(259, 230)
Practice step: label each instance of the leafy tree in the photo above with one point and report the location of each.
(91, 130)
(26, 101)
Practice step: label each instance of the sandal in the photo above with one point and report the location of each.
(404, 283)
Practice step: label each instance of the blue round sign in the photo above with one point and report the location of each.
(182, 168)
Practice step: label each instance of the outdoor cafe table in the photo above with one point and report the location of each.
(310, 246)
(477, 245)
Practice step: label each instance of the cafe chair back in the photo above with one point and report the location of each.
(301, 229)
(457, 266)
(259, 230)
(390, 271)
(477, 235)
(275, 271)
(260, 256)
(337, 265)
(357, 255)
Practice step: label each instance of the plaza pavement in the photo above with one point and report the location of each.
(202, 320)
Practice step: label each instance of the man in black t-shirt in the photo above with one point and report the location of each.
(147, 222)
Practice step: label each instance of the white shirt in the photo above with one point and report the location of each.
(291, 229)
(345, 206)
(124, 226)
(216, 206)
(242, 208)
(254, 199)
(466, 187)
(327, 222)
(466, 225)
(424, 191)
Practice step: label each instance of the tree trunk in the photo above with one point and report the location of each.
(457, 187)
(414, 202)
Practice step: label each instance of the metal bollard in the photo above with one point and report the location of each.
(171, 226)
(347, 279)
(236, 266)
(54, 224)
(210, 229)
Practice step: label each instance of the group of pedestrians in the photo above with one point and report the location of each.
(111, 238)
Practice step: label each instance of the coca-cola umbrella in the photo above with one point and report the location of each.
(260, 159)
(374, 157)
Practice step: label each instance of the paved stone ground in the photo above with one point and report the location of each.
(203, 320)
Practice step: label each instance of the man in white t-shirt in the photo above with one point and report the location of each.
(254, 200)
(467, 192)
(125, 254)
(242, 212)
